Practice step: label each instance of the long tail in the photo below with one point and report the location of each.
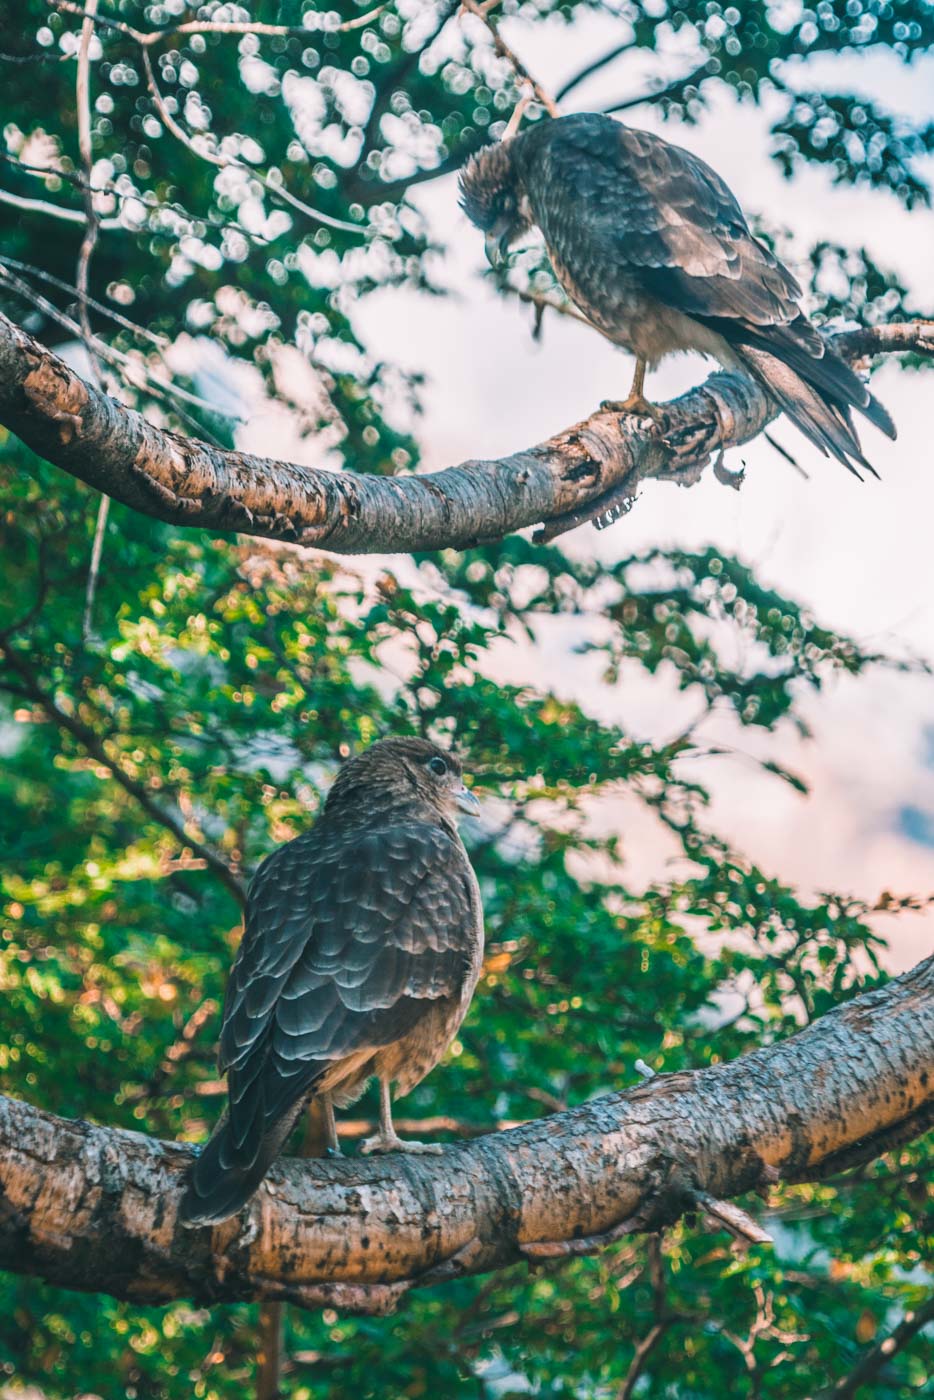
(223, 1178)
(817, 391)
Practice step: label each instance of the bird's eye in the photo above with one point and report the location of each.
(438, 766)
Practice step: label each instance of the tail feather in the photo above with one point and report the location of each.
(815, 361)
(818, 397)
(222, 1179)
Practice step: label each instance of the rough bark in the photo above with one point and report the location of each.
(592, 468)
(94, 1208)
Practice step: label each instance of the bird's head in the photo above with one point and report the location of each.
(493, 199)
(401, 773)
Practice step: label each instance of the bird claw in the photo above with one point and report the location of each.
(385, 1142)
(637, 405)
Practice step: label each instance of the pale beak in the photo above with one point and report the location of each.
(497, 246)
(466, 801)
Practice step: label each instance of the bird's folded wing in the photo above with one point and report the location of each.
(345, 943)
(663, 212)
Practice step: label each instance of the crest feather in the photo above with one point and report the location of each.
(487, 178)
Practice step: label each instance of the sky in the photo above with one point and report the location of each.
(859, 555)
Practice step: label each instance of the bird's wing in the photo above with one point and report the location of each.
(620, 208)
(343, 946)
(660, 211)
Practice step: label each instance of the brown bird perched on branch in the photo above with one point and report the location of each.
(361, 950)
(653, 248)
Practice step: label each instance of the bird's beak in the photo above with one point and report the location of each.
(497, 245)
(466, 801)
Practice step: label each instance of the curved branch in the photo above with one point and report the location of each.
(95, 1208)
(594, 468)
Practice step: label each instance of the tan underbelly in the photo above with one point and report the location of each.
(406, 1062)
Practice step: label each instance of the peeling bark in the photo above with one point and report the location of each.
(593, 468)
(94, 1208)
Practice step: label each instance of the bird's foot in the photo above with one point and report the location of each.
(637, 405)
(389, 1142)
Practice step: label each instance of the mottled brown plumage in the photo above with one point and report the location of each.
(652, 246)
(361, 950)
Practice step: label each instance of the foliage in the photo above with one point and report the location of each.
(225, 681)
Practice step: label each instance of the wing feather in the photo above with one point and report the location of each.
(344, 944)
(663, 213)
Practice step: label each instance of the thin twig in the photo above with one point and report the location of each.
(879, 1355)
(783, 452)
(224, 161)
(502, 49)
(89, 242)
(209, 26)
(740, 1225)
(665, 1319)
(658, 94)
(270, 1355)
(94, 745)
(55, 211)
(82, 280)
(643, 1350)
(161, 342)
(395, 76)
(587, 72)
(94, 568)
(49, 56)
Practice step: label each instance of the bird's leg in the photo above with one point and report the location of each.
(330, 1126)
(387, 1140)
(636, 402)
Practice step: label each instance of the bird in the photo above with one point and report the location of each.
(361, 950)
(651, 245)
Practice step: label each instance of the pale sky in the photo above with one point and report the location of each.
(860, 556)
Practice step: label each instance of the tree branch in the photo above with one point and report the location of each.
(96, 747)
(83, 278)
(594, 66)
(94, 1208)
(502, 50)
(147, 37)
(881, 1354)
(585, 470)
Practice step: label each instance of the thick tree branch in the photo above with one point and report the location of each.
(593, 468)
(94, 1208)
